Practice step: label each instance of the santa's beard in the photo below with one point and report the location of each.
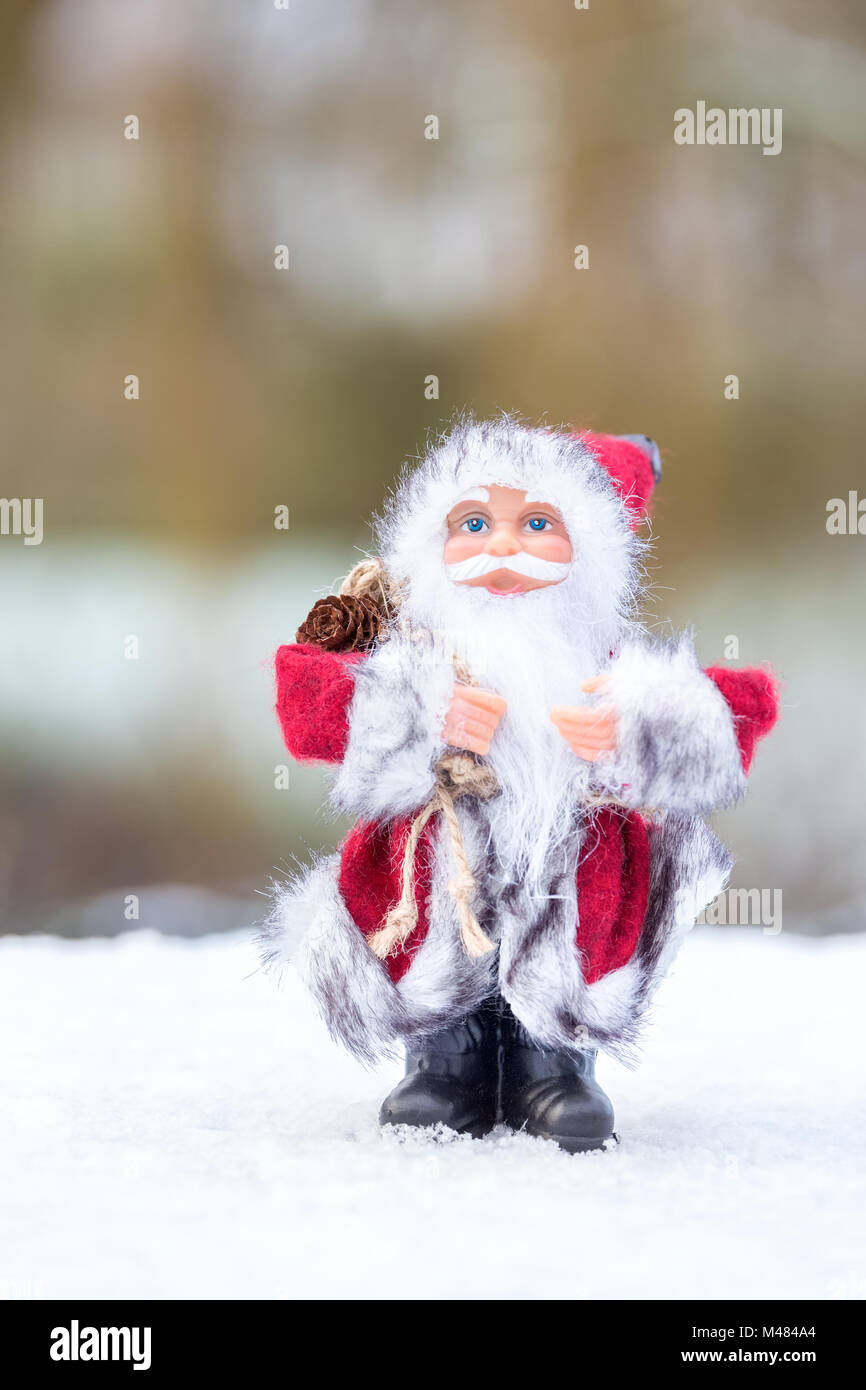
(533, 649)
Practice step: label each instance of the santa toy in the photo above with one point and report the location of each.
(529, 771)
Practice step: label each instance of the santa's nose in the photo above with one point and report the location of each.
(502, 543)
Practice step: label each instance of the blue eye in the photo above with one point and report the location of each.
(538, 523)
(474, 524)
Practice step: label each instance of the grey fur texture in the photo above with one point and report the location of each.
(537, 966)
(399, 702)
(364, 1010)
(676, 745)
(540, 967)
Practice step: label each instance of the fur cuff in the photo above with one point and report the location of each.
(395, 720)
(676, 745)
(364, 1010)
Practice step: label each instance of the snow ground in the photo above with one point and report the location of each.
(172, 1126)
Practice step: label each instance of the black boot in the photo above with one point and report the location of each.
(451, 1079)
(553, 1095)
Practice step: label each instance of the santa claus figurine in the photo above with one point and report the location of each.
(529, 772)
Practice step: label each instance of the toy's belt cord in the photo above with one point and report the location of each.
(457, 774)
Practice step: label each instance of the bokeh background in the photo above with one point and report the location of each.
(306, 387)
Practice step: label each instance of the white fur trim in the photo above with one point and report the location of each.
(395, 719)
(349, 984)
(557, 468)
(442, 981)
(689, 867)
(538, 969)
(541, 976)
(474, 494)
(676, 745)
(363, 1009)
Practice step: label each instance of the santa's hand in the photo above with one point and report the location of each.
(589, 729)
(472, 718)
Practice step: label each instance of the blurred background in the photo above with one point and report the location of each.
(154, 774)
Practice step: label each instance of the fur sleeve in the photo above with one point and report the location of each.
(395, 722)
(676, 743)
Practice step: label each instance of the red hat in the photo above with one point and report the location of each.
(633, 463)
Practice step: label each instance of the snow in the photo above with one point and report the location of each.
(172, 1126)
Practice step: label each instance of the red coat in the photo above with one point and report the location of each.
(314, 692)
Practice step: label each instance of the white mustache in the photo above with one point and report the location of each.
(531, 566)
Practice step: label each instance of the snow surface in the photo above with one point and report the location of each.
(172, 1126)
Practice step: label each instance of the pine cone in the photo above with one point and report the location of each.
(341, 623)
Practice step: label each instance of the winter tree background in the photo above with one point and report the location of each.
(194, 1125)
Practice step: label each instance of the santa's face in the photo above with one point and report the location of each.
(500, 541)
(494, 512)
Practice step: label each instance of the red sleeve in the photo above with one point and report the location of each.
(753, 698)
(314, 689)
